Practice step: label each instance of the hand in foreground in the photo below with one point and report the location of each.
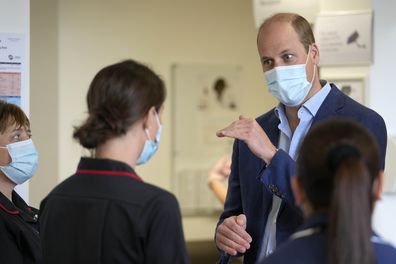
(250, 132)
(231, 235)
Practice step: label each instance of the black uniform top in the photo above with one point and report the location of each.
(19, 237)
(308, 245)
(104, 213)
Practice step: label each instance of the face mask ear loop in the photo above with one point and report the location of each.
(313, 75)
(157, 118)
(147, 133)
(309, 51)
(159, 126)
(306, 61)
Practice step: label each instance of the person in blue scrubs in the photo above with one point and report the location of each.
(339, 178)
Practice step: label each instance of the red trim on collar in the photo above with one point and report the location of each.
(114, 173)
(14, 212)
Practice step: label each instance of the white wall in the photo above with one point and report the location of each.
(340, 5)
(383, 92)
(378, 92)
(44, 88)
(384, 217)
(383, 95)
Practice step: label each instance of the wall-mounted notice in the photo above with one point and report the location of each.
(344, 38)
(12, 60)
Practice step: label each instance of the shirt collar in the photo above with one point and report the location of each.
(109, 167)
(284, 124)
(7, 206)
(313, 104)
(321, 220)
(18, 207)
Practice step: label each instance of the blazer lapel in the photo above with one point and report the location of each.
(332, 104)
(272, 129)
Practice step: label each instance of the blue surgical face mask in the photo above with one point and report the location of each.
(24, 161)
(289, 83)
(150, 146)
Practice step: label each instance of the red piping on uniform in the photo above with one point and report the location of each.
(15, 212)
(107, 172)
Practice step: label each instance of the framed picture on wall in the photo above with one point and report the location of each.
(354, 88)
(345, 38)
(206, 98)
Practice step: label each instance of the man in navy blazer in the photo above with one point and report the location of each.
(259, 211)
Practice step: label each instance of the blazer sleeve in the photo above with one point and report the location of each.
(233, 203)
(376, 124)
(276, 176)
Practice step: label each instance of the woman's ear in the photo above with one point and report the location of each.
(378, 185)
(299, 195)
(148, 118)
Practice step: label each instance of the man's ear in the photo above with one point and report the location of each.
(299, 195)
(378, 185)
(315, 53)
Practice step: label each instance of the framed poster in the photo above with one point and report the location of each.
(354, 88)
(345, 38)
(205, 99)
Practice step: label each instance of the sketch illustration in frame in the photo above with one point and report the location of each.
(354, 88)
(206, 98)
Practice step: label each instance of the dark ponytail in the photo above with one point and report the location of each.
(337, 165)
(349, 230)
(118, 96)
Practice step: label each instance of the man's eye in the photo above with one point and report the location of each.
(287, 57)
(267, 62)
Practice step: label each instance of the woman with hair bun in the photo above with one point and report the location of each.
(338, 180)
(105, 213)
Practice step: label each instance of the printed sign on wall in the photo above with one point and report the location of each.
(12, 60)
(344, 38)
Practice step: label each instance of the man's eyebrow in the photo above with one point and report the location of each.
(265, 58)
(281, 53)
(286, 51)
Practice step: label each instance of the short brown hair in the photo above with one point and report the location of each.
(299, 24)
(11, 114)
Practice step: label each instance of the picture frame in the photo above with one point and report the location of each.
(353, 87)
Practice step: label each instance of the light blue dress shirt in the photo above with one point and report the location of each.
(290, 143)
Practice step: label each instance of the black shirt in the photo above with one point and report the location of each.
(19, 237)
(104, 213)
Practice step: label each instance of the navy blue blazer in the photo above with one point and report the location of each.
(311, 248)
(252, 184)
